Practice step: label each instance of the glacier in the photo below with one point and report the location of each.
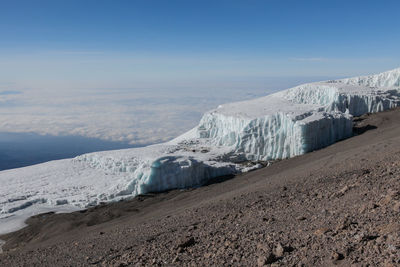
(233, 138)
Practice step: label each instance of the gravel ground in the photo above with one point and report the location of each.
(336, 206)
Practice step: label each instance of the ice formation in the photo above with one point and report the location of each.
(233, 138)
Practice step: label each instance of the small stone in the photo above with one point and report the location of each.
(373, 206)
(359, 237)
(396, 206)
(366, 171)
(176, 259)
(344, 190)
(386, 200)
(208, 255)
(381, 239)
(268, 220)
(301, 218)
(363, 208)
(393, 193)
(389, 263)
(337, 256)
(279, 250)
(321, 231)
(343, 224)
(263, 247)
(261, 261)
(187, 243)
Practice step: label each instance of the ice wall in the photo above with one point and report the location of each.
(275, 136)
(346, 97)
(386, 79)
(300, 119)
(230, 139)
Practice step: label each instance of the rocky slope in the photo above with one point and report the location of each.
(336, 206)
(231, 139)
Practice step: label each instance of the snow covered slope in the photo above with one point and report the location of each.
(229, 139)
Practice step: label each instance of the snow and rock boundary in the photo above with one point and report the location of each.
(282, 125)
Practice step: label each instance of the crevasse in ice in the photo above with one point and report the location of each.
(282, 125)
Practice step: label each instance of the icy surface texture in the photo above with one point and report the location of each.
(230, 139)
(285, 129)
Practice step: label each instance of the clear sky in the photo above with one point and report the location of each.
(120, 43)
(145, 71)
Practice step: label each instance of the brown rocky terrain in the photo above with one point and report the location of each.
(336, 206)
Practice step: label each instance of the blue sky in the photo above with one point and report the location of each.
(120, 43)
(160, 64)
(269, 28)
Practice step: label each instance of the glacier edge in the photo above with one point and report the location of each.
(282, 125)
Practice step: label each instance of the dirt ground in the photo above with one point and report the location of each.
(336, 206)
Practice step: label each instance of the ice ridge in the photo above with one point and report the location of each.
(233, 138)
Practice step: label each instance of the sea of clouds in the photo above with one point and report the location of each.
(133, 116)
(130, 115)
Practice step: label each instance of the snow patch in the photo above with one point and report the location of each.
(282, 125)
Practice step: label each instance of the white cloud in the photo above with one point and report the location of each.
(161, 96)
(128, 115)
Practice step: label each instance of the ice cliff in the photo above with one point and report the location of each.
(230, 139)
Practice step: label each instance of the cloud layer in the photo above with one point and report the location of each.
(135, 116)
